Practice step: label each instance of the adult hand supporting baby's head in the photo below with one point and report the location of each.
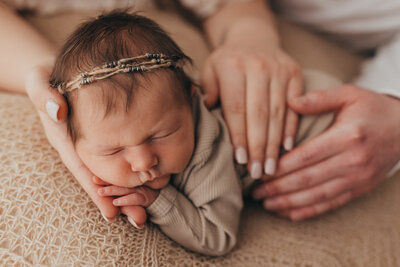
(45, 98)
(52, 110)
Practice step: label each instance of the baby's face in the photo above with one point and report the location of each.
(145, 145)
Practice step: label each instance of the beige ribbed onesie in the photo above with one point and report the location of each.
(200, 208)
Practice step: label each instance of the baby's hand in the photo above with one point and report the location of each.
(138, 196)
(131, 200)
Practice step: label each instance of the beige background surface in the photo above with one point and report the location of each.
(46, 219)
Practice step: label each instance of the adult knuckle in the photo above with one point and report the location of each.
(260, 112)
(284, 202)
(357, 135)
(235, 106)
(258, 64)
(307, 157)
(294, 70)
(320, 196)
(272, 189)
(304, 181)
(277, 112)
(235, 62)
(359, 159)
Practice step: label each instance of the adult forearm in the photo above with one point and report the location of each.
(244, 19)
(21, 48)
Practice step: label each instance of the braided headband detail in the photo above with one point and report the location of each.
(142, 63)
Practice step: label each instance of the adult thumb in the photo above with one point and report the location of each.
(46, 99)
(318, 101)
(209, 84)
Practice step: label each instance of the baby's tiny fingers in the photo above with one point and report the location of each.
(135, 199)
(114, 190)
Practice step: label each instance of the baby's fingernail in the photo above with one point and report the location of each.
(52, 109)
(288, 144)
(256, 170)
(116, 202)
(270, 166)
(110, 220)
(134, 223)
(241, 155)
(100, 191)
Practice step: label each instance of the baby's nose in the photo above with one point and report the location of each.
(142, 159)
(144, 177)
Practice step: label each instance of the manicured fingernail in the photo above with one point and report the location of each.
(256, 170)
(241, 155)
(110, 220)
(288, 144)
(258, 193)
(134, 223)
(270, 166)
(52, 109)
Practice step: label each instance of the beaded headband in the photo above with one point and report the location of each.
(143, 63)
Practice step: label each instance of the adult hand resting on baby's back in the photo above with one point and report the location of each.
(132, 201)
(348, 160)
(52, 110)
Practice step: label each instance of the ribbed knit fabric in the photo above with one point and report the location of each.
(201, 208)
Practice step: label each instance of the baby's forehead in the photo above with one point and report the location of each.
(120, 95)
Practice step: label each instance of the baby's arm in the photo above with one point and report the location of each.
(203, 212)
(207, 222)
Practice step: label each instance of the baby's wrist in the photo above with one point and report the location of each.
(153, 196)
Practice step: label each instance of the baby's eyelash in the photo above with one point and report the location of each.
(160, 137)
(115, 152)
(166, 135)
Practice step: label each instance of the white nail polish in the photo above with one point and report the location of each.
(134, 223)
(241, 155)
(270, 166)
(107, 219)
(288, 144)
(52, 109)
(256, 170)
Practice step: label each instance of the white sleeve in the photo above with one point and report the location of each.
(381, 74)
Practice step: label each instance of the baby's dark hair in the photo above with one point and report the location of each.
(108, 38)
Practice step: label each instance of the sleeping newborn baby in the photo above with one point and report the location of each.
(140, 126)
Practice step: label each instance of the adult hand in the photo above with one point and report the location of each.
(253, 77)
(52, 107)
(348, 160)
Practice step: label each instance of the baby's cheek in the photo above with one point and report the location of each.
(111, 171)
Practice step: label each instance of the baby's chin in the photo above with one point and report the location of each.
(158, 183)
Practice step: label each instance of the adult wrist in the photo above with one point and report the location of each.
(241, 18)
(245, 29)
